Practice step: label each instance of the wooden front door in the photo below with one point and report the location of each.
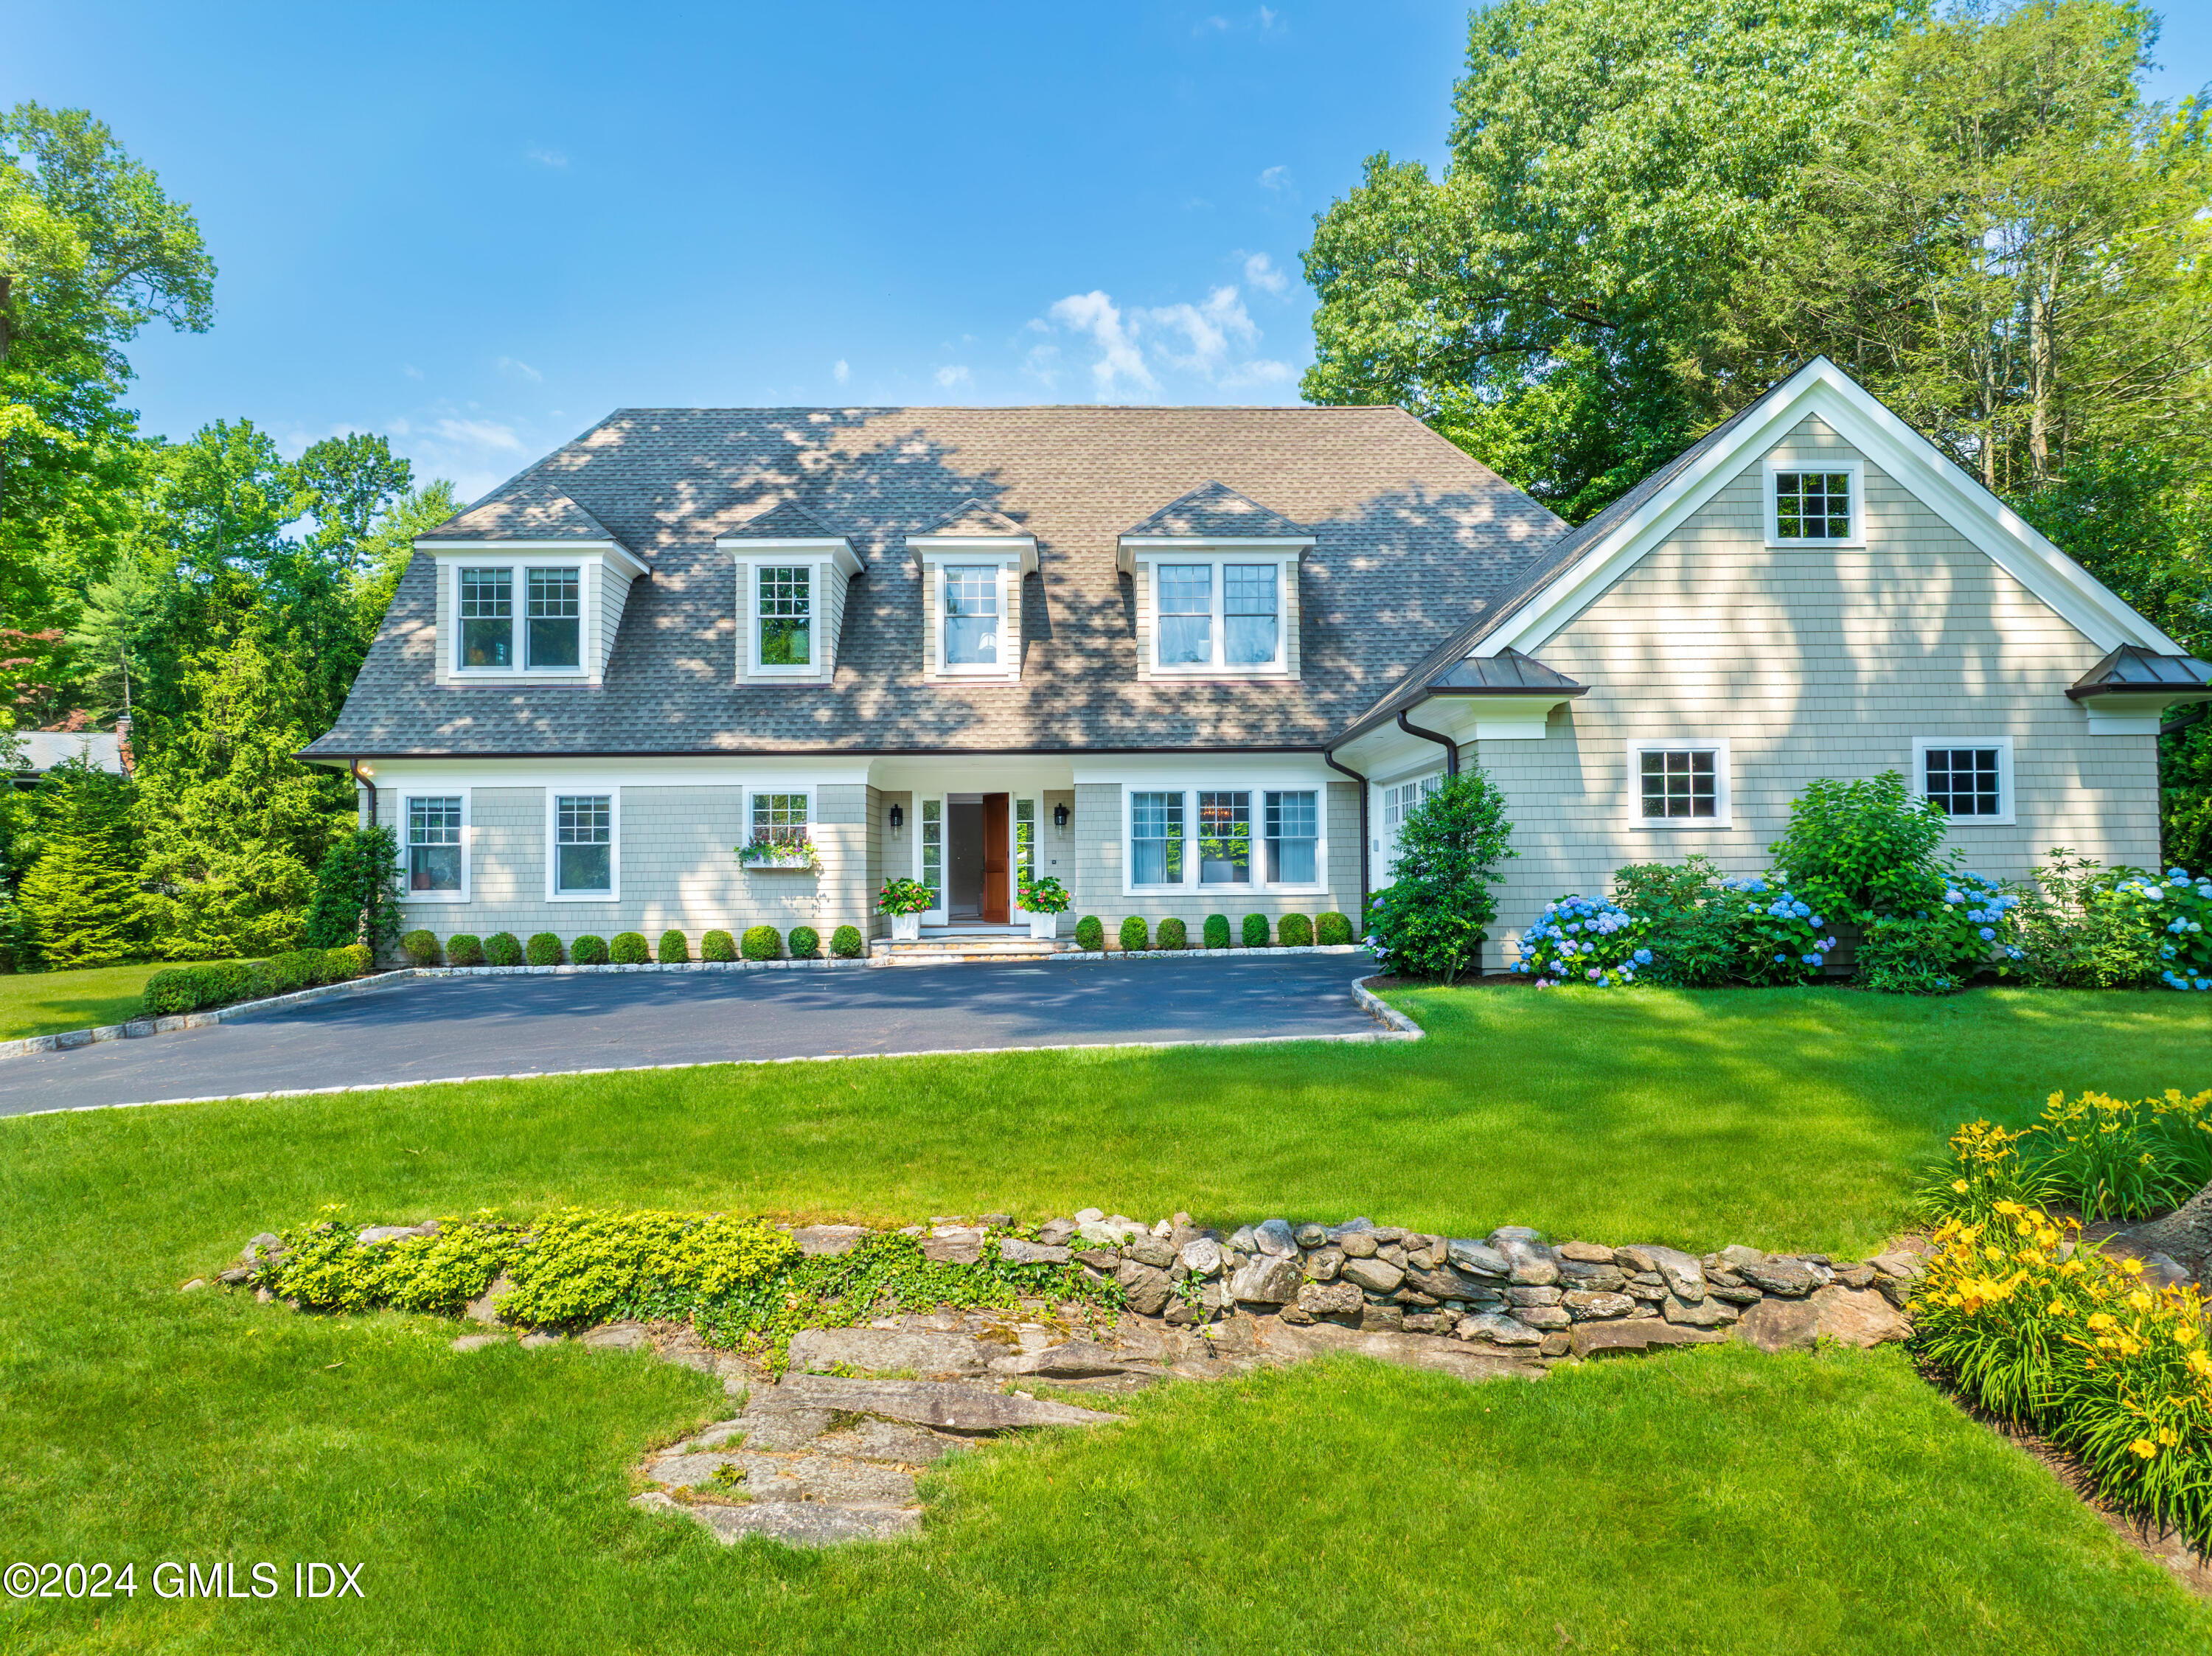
(998, 833)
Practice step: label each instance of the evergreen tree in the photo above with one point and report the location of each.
(357, 892)
(1431, 921)
(81, 901)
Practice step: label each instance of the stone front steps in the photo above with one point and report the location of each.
(937, 951)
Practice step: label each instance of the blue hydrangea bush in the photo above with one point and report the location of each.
(1779, 939)
(1583, 940)
(2180, 907)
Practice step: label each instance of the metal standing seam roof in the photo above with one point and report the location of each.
(2132, 669)
(1409, 533)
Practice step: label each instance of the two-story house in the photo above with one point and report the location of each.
(1202, 660)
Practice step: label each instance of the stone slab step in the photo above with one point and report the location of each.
(813, 1348)
(946, 1405)
(794, 1522)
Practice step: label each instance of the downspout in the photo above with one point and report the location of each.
(363, 782)
(1450, 747)
(1330, 760)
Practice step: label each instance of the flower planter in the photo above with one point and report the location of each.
(1045, 928)
(906, 928)
(796, 861)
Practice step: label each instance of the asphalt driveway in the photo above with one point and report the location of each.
(451, 1029)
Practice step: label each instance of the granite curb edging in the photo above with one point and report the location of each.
(139, 1028)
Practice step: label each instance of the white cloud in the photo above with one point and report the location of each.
(1275, 177)
(1207, 330)
(842, 372)
(1120, 361)
(1218, 25)
(411, 370)
(521, 370)
(546, 157)
(947, 378)
(476, 454)
(1260, 270)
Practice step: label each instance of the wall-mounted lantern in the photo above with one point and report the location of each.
(899, 818)
(1060, 817)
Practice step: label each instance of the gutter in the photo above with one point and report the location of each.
(1450, 747)
(1329, 759)
(366, 786)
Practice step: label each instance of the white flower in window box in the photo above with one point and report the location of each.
(784, 848)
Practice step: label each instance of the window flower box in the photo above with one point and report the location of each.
(766, 852)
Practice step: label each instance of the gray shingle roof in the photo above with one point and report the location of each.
(787, 520)
(1491, 610)
(973, 517)
(542, 514)
(1215, 509)
(1410, 535)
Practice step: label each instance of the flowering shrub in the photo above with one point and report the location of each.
(1687, 925)
(1778, 937)
(1583, 940)
(2034, 1327)
(1045, 896)
(1970, 925)
(2179, 907)
(2110, 1158)
(905, 897)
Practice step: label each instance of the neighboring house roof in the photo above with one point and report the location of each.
(1215, 511)
(2132, 670)
(39, 751)
(1409, 534)
(529, 514)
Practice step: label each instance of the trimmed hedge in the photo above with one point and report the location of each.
(590, 950)
(1294, 931)
(1091, 933)
(1332, 929)
(718, 946)
(1135, 934)
(1216, 932)
(675, 948)
(628, 948)
(421, 948)
(465, 949)
(806, 943)
(502, 949)
(762, 943)
(1173, 934)
(193, 988)
(1256, 931)
(847, 943)
(543, 949)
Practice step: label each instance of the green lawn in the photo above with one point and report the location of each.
(51, 1003)
(1767, 1504)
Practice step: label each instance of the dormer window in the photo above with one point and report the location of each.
(544, 603)
(786, 616)
(1217, 587)
(972, 562)
(971, 615)
(550, 637)
(556, 617)
(487, 618)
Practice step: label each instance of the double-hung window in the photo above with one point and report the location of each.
(1970, 777)
(1292, 827)
(786, 612)
(434, 846)
(1224, 839)
(583, 844)
(1218, 617)
(971, 615)
(1186, 617)
(487, 618)
(1252, 636)
(556, 617)
(1681, 783)
(1156, 839)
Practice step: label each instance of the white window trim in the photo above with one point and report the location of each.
(1286, 571)
(818, 582)
(754, 791)
(1723, 783)
(1256, 886)
(553, 792)
(586, 564)
(1776, 466)
(2005, 817)
(1000, 669)
(468, 843)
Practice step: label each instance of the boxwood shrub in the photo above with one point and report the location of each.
(1216, 932)
(806, 943)
(421, 948)
(1294, 931)
(847, 943)
(1332, 929)
(1091, 933)
(502, 949)
(718, 946)
(675, 948)
(628, 948)
(1256, 931)
(218, 983)
(763, 943)
(590, 950)
(465, 949)
(1135, 934)
(1173, 934)
(543, 948)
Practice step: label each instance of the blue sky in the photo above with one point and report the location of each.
(479, 228)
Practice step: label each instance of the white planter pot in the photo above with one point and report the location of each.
(1044, 927)
(906, 928)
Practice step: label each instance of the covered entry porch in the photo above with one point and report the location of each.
(972, 831)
